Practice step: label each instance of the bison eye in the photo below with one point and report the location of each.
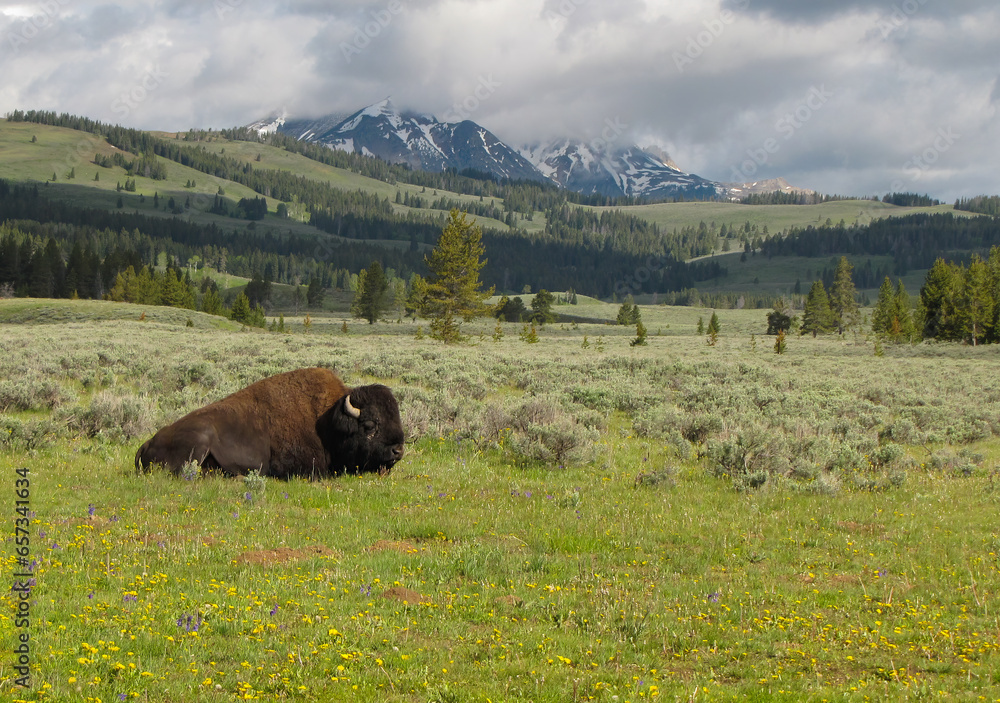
(369, 425)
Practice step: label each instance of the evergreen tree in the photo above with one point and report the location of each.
(713, 324)
(640, 335)
(241, 309)
(541, 307)
(905, 328)
(416, 299)
(315, 293)
(993, 270)
(938, 302)
(883, 313)
(843, 303)
(454, 289)
(780, 344)
(779, 320)
(511, 309)
(713, 330)
(211, 301)
(371, 298)
(628, 313)
(976, 303)
(817, 316)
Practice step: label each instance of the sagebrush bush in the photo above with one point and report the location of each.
(808, 418)
(113, 415)
(33, 393)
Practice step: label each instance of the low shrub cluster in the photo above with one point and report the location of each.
(840, 418)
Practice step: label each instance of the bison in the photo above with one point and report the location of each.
(299, 423)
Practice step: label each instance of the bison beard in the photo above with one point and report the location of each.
(300, 423)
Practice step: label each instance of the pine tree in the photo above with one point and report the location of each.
(843, 303)
(241, 309)
(454, 289)
(938, 302)
(817, 316)
(713, 324)
(628, 313)
(903, 314)
(541, 307)
(370, 301)
(779, 320)
(211, 301)
(780, 343)
(315, 293)
(883, 313)
(976, 302)
(640, 335)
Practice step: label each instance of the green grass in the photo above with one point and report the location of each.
(482, 568)
(58, 150)
(776, 218)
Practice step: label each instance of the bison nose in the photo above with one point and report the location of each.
(397, 452)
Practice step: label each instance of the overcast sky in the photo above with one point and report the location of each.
(849, 97)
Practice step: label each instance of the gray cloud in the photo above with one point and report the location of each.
(712, 82)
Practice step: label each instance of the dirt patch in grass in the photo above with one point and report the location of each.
(282, 555)
(401, 546)
(404, 595)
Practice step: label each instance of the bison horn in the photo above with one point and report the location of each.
(351, 410)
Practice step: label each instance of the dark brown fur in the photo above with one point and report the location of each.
(292, 424)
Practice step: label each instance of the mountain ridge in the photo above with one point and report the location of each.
(423, 142)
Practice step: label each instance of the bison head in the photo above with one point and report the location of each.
(363, 431)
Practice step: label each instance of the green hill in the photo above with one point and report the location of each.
(350, 216)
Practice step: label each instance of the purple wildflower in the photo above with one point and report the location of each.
(91, 510)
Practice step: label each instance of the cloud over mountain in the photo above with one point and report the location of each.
(708, 81)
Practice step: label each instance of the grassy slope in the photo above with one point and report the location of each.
(466, 574)
(58, 150)
(777, 218)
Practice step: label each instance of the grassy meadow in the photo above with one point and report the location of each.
(59, 151)
(576, 519)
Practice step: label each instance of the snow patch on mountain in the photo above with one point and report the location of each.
(425, 143)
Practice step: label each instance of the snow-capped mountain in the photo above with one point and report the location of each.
(605, 170)
(418, 140)
(425, 143)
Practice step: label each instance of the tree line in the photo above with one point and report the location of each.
(957, 303)
(982, 204)
(913, 241)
